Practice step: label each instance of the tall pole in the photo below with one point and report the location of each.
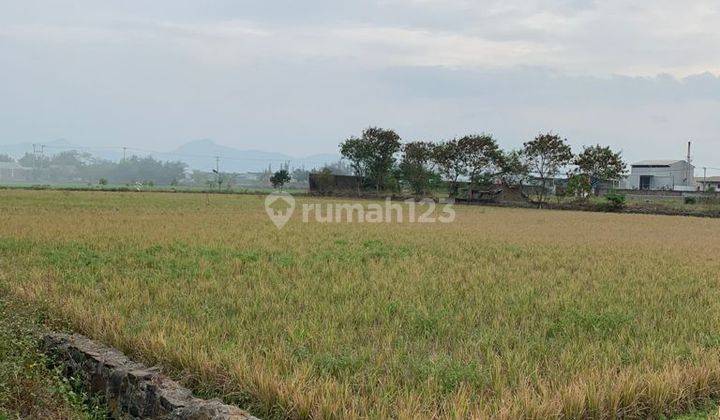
(35, 162)
(217, 170)
(124, 153)
(704, 179)
(687, 172)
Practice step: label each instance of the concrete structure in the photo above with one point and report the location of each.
(11, 171)
(709, 183)
(674, 175)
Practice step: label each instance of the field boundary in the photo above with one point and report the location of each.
(131, 388)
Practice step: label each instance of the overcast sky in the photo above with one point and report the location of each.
(299, 76)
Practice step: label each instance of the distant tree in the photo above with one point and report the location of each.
(414, 168)
(514, 168)
(103, 181)
(69, 158)
(31, 160)
(599, 163)
(338, 168)
(545, 155)
(325, 181)
(449, 160)
(357, 153)
(482, 157)
(301, 175)
(373, 154)
(6, 158)
(280, 178)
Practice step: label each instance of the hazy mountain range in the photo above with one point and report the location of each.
(198, 154)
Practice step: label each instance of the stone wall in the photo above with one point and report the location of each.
(130, 389)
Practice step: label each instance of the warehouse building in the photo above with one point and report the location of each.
(674, 175)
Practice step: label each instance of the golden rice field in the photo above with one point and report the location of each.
(504, 313)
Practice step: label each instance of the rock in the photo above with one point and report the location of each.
(130, 389)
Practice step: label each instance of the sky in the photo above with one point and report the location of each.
(300, 76)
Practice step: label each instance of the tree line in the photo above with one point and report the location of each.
(83, 167)
(380, 158)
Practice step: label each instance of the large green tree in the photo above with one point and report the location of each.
(545, 155)
(415, 166)
(481, 156)
(449, 159)
(372, 155)
(514, 168)
(599, 164)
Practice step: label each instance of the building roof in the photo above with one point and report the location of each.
(709, 179)
(657, 162)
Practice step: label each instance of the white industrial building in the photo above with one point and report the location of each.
(675, 175)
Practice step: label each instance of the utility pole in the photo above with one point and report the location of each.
(34, 171)
(124, 153)
(217, 170)
(704, 179)
(690, 181)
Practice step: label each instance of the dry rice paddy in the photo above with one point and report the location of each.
(503, 313)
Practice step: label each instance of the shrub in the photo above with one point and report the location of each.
(103, 181)
(615, 201)
(579, 186)
(690, 200)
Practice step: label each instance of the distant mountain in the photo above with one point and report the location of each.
(198, 154)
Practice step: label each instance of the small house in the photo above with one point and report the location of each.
(710, 183)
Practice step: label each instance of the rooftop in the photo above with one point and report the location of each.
(708, 179)
(657, 162)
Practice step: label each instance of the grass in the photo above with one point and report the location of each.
(29, 388)
(504, 313)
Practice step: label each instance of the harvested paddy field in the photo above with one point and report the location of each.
(502, 313)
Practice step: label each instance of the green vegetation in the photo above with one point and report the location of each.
(504, 313)
(29, 388)
(280, 178)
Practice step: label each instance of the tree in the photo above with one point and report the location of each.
(545, 155)
(338, 168)
(280, 178)
(514, 169)
(6, 158)
(325, 180)
(481, 156)
(414, 166)
(69, 158)
(578, 185)
(372, 155)
(31, 160)
(599, 163)
(449, 160)
(301, 175)
(356, 151)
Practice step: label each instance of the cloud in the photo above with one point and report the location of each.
(583, 37)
